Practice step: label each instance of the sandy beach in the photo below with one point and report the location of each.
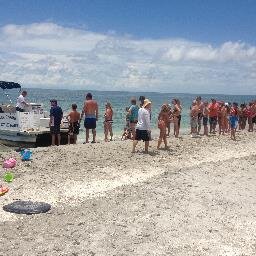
(197, 198)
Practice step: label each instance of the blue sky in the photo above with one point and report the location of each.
(211, 21)
(186, 46)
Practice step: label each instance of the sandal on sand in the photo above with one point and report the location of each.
(3, 190)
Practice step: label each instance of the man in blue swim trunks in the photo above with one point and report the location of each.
(90, 110)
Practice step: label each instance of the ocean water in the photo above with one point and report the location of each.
(119, 101)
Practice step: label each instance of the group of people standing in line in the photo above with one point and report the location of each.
(138, 119)
(229, 117)
(90, 113)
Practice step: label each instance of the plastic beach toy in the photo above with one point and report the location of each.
(9, 163)
(8, 177)
(25, 155)
(3, 190)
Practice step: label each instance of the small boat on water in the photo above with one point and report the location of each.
(29, 128)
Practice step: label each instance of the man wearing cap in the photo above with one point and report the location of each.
(56, 115)
(143, 126)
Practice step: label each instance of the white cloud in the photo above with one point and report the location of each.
(46, 54)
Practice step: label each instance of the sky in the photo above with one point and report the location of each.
(180, 46)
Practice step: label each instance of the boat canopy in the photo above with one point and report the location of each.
(9, 85)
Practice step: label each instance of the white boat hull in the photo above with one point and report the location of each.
(22, 139)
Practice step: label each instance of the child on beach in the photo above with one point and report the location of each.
(125, 135)
(163, 119)
(74, 123)
(108, 122)
(127, 130)
(233, 119)
(205, 118)
(127, 118)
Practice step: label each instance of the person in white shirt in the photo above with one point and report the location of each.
(21, 102)
(143, 126)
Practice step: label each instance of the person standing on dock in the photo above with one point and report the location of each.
(90, 110)
(56, 115)
(21, 102)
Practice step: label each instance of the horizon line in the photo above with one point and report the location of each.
(95, 90)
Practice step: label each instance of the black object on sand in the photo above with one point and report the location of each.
(27, 207)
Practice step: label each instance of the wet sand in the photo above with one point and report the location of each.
(197, 198)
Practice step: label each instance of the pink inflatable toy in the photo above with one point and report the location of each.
(10, 163)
